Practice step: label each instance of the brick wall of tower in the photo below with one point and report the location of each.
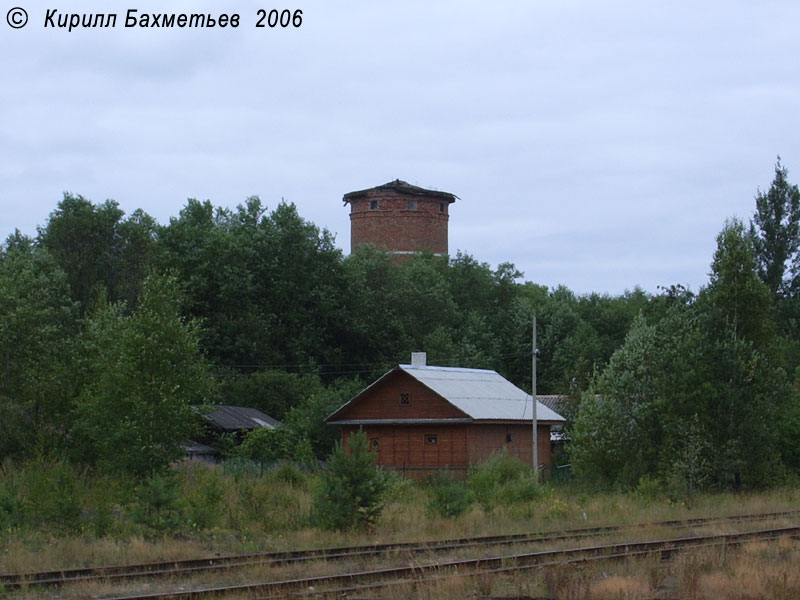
(396, 227)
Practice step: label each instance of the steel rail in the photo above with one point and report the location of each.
(208, 564)
(663, 552)
(361, 580)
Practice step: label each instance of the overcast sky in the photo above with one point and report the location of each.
(600, 145)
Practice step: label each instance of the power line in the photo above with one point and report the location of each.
(334, 368)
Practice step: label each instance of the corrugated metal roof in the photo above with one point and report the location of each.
(551, 401)
(236, 418)
(480, 393)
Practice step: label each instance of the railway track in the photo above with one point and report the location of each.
(185, 568)
(345, 584)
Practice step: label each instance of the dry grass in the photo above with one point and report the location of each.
(756, 570)
(269, 516)
(621, 587)
(40, 554)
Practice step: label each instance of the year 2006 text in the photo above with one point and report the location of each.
(279, 18)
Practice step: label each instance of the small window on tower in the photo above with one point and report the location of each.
(405, 399)
(411, 204)
(431, 439)
(373, 205)
(441, 206)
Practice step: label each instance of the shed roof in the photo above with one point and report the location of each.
(236, 418)
(401, 187)
(481, 394)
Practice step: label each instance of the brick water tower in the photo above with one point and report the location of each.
(400, 217)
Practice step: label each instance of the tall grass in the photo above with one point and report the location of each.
(53, 515)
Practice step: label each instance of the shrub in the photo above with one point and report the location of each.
(265, 445)
(524, 489)
(203, 490)
(266, 504)
(253, 500)
(558, 510)
(49, 494)
(10, 506)
(290, 474)
(157, 504)
(447, 497)
(351, 488)
(103, 496)
(503, 479)
(648, 489)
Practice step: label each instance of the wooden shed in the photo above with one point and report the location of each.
(421, 419)
(235, 421)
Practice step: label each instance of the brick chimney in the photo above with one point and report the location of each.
(419, 359)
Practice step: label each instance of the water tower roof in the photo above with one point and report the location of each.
(401, 187)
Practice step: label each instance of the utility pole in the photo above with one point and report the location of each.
(533, 401)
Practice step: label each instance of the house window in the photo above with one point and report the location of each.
(373, 444)
(373, 205)
(411, 204)
(431, 438)
(441, 207)
(405, 399)
(509, 437)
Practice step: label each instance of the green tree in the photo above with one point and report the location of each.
(102, 253)
(775, 230)
(145, 370)
(39, 329)
(351, 491)
(265, 445)
(271, 391)
(424, 300)
(376, 331)
(616, 437)
(696, 397)
(83, 239)
(137, 253)
(734, 288)
(268, 286)
(306, 419)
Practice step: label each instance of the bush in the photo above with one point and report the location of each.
(265, 445)
(266, 505)
(290, 474)
(524, 489)
(10, 506)
(157, 504)
(103, 497)
(203, 491)
(49, 495)
(648, 489)
(351, 489)
(503, 479)
(447, 497)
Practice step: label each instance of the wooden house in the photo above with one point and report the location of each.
(420, 419)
